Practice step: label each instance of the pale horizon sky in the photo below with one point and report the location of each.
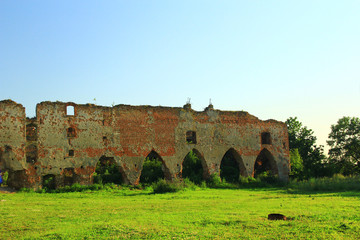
(273, 59)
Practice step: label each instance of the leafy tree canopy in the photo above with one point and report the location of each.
(296, 163)
(344, 142)
(303, 139)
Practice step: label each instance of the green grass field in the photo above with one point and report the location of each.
(189, 214)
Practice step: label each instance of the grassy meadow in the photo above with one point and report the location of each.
(188, 214)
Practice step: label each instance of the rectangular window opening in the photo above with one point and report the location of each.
(71, 153)
(70, 132)
(265, 138)
(70, 110)
(191, 137)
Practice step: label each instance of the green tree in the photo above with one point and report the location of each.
(345, 145)
(303, 139)
(296, 163)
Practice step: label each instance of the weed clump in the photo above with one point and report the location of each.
(163, 186)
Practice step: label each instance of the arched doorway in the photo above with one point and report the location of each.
(193, 166)
(232, 166)
(265, 164)
(153, 168)
(107, 171)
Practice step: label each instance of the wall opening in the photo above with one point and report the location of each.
(192, 167)
(107, 171)
(31, 153)
(70, 110)
(69, 176)
(265, 164)
(70, 132)
(48, 182)
(153, 168)
(31, 132)
(232, 166)
(191, 137)
(71, 153)
(265, 138)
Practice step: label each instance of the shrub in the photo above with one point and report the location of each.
(247, 180)
(28, 190)
(107, 172)
(214, 180)
(49, 182)
(163, 186)
(152, 171)
(188, 184)
(267, 177)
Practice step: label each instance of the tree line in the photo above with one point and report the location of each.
(308, 159)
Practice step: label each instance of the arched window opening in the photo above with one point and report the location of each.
(193, 167)
(31, 153)
(191, 137)
(232, 166)
(70, 132)
(31, 132)
(153, 168)
(265, 138)
(107, 171)
(70, 110)
(265, 164)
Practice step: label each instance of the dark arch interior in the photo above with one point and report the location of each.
(107, 171)
(265, 164)
(153, 168)
(231, 166)
(192, 167)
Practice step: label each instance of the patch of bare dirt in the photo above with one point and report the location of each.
(7, 190)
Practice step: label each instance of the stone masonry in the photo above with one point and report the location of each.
(66, 141)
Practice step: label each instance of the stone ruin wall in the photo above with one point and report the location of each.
(68, 146)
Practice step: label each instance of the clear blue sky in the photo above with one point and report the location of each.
(273, 59)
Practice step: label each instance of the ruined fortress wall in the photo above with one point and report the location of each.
(12, 136)
(68, 145)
